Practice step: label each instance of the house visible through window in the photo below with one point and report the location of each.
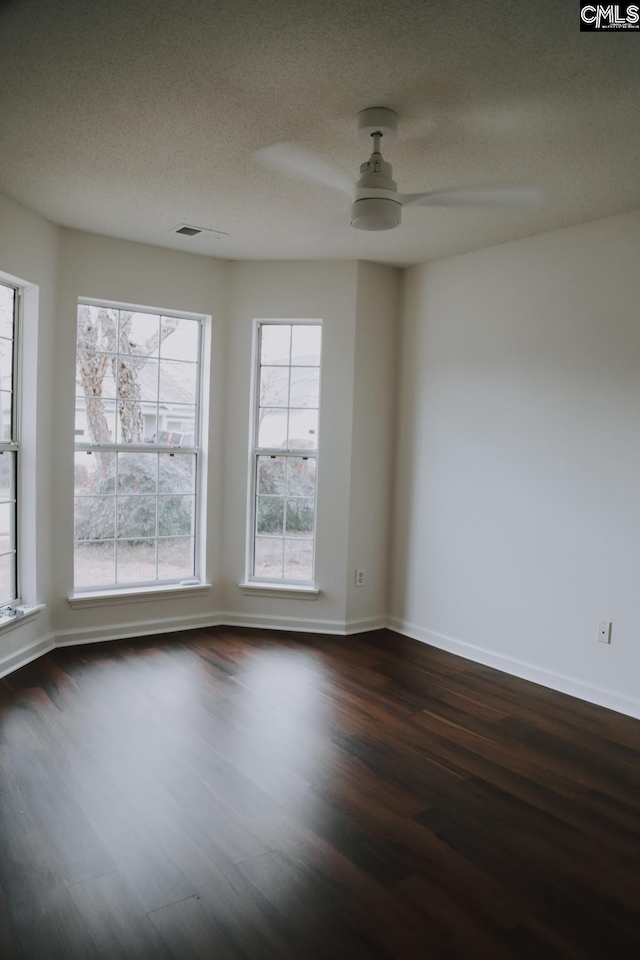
(137, 452)
(285, 457)
(9, 301)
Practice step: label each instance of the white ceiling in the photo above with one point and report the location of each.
(130, 117)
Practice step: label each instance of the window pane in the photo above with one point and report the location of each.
(176, 516)
(137, 473)
(7, 528)
(298, 559)
(95, 518)
(269, 557)
(136, 561)
(177, 473)
(274, 387)
(7, 578)
(139, 333)
(305, 345)
(272, 429)
(305, 387)
(7, 474)
(270, 516)
(303, 429)
(301, 476)
(177, 426)
(95, 473)
(178, 381)
(6, 364)
(97, 328)
(95, 375)
(275, 343)
(95, 420)
(180, 339)
(300, 518)
(136, 518)
(5, 416)
(7, 295)
(94, 564)
(136, 422)
(137, 378)
(271, 474)
(175, 558)
(288, 417)
(136, 384)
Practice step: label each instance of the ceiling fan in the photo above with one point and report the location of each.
(376, 203)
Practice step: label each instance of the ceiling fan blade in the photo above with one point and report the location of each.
(489, 196)
(295, 160)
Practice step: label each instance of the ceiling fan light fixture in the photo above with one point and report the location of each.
(375, 213)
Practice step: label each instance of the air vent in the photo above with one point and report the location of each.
(189, 230)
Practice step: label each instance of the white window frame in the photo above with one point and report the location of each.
(251, 580)
(143, 588)
(13, 445)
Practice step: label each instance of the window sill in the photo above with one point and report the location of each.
(289, 591)
(29, 613)
(105, 598)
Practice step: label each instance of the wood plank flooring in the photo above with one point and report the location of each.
(254, 795)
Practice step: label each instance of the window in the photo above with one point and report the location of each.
(137, 374)
(9, 309)
(285, 452)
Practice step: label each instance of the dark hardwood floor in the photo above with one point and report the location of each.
(244, 794)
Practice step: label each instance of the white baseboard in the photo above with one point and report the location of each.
(339, 628)
(366, 625)
(20, 658)
(143, 628)
(601, 696)
(137, 628)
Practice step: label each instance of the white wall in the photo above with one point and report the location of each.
(517, 501)
(28, 252)
(110, 269)
(374, 395)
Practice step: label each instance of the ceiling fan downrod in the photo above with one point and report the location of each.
(375, 205)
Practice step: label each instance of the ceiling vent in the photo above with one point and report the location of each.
(188, 230)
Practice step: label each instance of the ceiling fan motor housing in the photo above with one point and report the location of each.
(375, 213)
(376, 206)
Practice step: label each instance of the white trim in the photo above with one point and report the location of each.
(136, 628)
(366, 625)
(107, 598)
(295, 624)
(29, 613)
(284, 591)
(144, 628)
(20, 658)
(600, 696)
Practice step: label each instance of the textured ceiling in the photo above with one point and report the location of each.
(130, 117)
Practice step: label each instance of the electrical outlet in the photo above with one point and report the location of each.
(604, 631)
(359, 578)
